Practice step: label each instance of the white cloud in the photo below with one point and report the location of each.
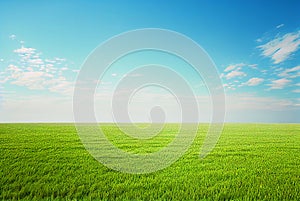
(291, 72)
(62, 86)
(264, 71)
(59, 60)
(50, 61)
(253, 66)
(39, 80)
(296, 91)
(114, 74)
(75, 71)
(229, 86)
(32, 80)
(12, 37)
(36, 73)
(254, 81)
(24, 50)
(235, 73)
(281, 48)
(279, 84)
(229, 68)
(233, 66)
(235, 70)
(279, 26)
(259, 40)
(36, 61)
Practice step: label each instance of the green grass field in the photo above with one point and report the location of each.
(250, 162)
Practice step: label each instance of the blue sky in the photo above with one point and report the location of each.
(254, 44)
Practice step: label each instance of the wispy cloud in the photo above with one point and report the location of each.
(291, 72)
(279, 84)
(254, 81)
(259, 40)
(233, 66)
(75, 71)
(279, 26)
(235, 70)
(229, 86)
(281, 48)
(296, 91)
(253, 66)
(12, 37)
(235, 73)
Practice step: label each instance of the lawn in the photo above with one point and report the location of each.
(250, 162)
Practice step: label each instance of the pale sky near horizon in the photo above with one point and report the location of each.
(254, 45)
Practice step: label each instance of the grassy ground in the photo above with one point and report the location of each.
(250, 162)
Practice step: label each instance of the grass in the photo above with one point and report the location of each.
(250, 162)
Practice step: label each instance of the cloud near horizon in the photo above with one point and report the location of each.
(279, 84)
(31, 70)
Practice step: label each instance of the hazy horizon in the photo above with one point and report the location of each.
(254, 45)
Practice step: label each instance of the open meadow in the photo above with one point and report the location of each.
(250, 162)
